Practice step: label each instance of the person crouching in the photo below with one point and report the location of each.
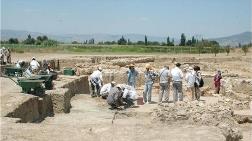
(114, 98)
(129, 96)
(106, 89)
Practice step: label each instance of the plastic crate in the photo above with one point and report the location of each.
(69, 71)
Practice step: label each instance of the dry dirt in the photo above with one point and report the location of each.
(91, 118)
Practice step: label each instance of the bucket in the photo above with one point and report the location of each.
(140, 101)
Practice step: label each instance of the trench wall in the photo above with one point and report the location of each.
(32, 108)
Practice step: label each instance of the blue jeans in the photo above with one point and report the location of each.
(164, 92)
(177, 91)
(133, 84)
(147, 92)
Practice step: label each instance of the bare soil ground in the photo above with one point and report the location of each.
(91, 119)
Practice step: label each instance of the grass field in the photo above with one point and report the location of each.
(80, 48)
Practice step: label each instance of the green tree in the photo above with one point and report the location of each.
(245, 49)
(50, 43)
(199, 46)
(140, 43)
(215, 49)
(193, 41)
(13, 41)
(168, 43)
(145, 40)
(39, 38)
(44, 38)
(227, 49)
(29, 40)
(91, 41)
(183, 40)
(172, 42)
(122, 41)
(189, 43)
(75, 42)
(129, 42)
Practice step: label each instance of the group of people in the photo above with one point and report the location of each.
(5, 56)
(117, 94)
(34, 67)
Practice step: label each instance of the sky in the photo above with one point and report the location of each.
(207, 18)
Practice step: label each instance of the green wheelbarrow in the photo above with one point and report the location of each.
(35, 87)
(47, 80)
(13, 71)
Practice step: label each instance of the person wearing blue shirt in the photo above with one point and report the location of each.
(132, 75)
(149, 76)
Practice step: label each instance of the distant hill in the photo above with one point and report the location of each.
(67, 38)
(233, 40)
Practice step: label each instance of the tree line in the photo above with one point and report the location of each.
(40, 40)
(193, 42)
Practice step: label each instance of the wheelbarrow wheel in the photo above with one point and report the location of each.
(39, 92)
(26, 90)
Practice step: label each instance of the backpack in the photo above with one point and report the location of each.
(201, 82)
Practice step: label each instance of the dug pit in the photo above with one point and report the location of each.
(77, 116)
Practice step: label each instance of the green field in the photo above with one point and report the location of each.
(80, 48)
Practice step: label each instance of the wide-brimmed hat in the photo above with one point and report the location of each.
(148, 66)
(131, 65)
(113, 82)
(33, 58)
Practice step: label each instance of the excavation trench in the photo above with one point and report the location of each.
(63, 99)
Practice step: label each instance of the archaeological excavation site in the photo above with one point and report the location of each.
(67, 111)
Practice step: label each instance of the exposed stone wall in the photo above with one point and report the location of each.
(65, 89)
(60, 100)
(78, 85)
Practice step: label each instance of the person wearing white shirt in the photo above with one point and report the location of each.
(164, 82)
(129, 95)
(106, 89)
(177, 76)
(20, 64)
(191, 79)
(96, 82)
(34, 65)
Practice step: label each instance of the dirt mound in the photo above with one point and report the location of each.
(123, 62)
(199, 113)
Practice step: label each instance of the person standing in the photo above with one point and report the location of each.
(177, 76)
(217, 83)
(132, 74)
(164, 82)
(3, 51)
(198, 83)
(191, 79)
(149, 76)
(8, 56)
(96, 82)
